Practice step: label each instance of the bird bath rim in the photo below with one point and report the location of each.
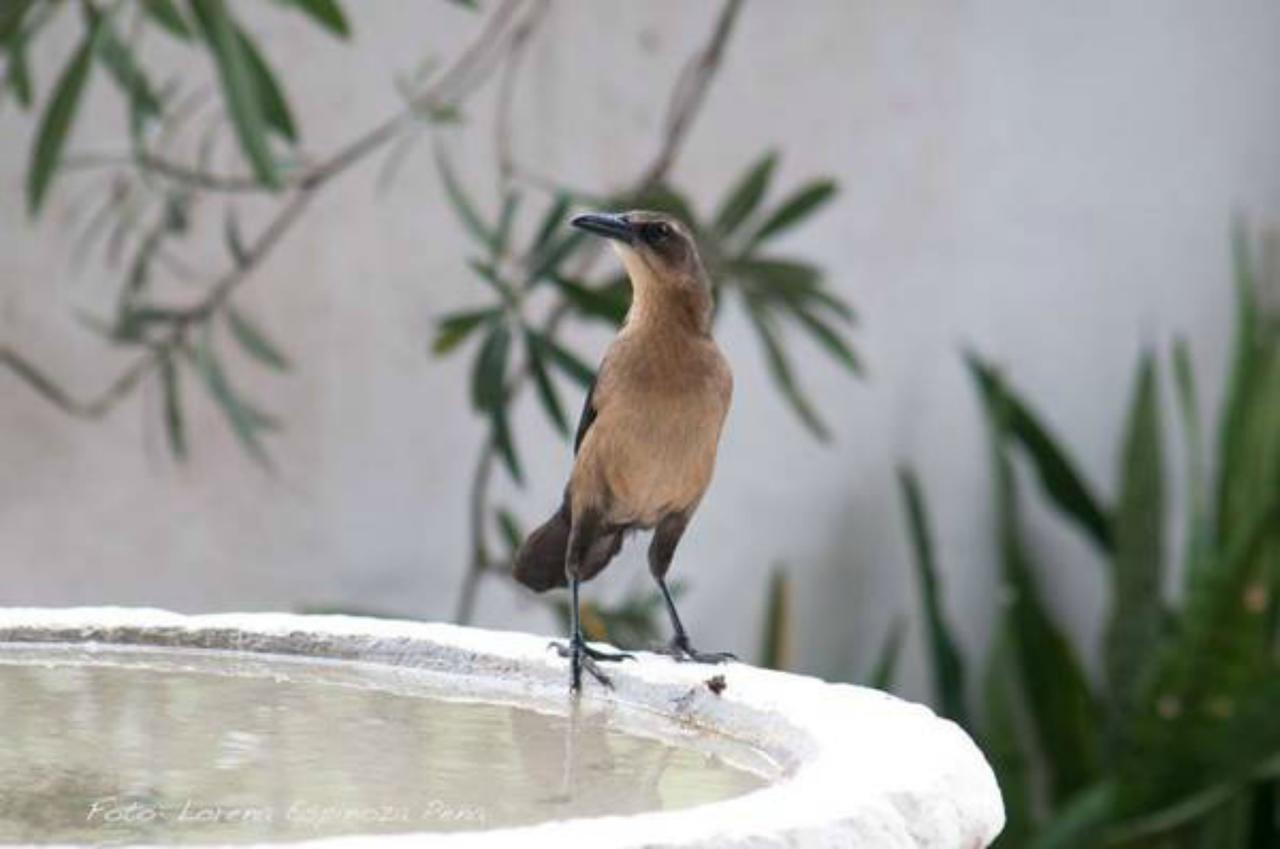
(860, 767)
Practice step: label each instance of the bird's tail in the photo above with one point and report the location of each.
(539, 563)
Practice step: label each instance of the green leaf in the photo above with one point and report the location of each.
(166, 15)
(1003, 740)
(793, 282)
(231, 235)
(799, 206)
(240, 87)
(121, 64)
(488, 378)
(775, 640)
(56, 122)
(501, 433)
(609, 302)
(1063, 711)
(746, 195)
(1137, 613)
(171, 396)
(947, 664)
(830, 339)
(506, 218)
(12, 14)
(553, 219)
(509, 526)
(1080, 822)
(547, 261)
(244, 420)
(885, 671)
(542, 380)
(780, 369)
(18, 73)
(454, 329)
(1199, 527)
(254, 341)
(567, 361)
(1064, 486)
(327, 13)
(275, 107)
(462, 205)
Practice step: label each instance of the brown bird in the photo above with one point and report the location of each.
(646, 443)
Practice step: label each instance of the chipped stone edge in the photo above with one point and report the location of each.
(862, 768)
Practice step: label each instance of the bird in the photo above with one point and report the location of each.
(646, 442)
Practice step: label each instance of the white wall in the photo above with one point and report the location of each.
(1050, 184)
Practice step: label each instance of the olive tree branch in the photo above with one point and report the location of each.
(473, 66)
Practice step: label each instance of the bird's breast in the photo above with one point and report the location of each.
(652, 449)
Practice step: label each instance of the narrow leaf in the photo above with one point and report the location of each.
(488, 377)
(254, 341)
(609, 302)
(775, 642)
(122, 66)
(506, 218)
(1134, 627)
(947, 665)
(55, 124)
(1063, 712)
(501, 433)
(275, 107)
(1199, 528)
(12, 14)
(551, 222)
(327, 13)
(462, 205)
(171, 397)
(1061, 482)
(567, 361)
(830, 339)
(509, 526)
(745, 196)
(885, 670)
(244, 422)
(799, 206)
(240, 88)
(780, 369)
(542, 380)
(454, 329)
(18, 73)
(166, 15)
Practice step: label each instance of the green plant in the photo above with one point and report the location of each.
(538, 272)
(1179, 744)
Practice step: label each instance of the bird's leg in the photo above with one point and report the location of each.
(663, 548)
(581, 656)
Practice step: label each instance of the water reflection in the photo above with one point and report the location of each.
(164, 747)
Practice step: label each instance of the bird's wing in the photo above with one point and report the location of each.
(588, 416)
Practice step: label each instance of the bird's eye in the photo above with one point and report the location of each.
(657, 232)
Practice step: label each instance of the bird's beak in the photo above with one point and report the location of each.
(610, 226)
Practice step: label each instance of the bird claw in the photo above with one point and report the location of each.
(583, 656)
(680, 651)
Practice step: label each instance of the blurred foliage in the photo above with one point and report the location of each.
(536, 270)
(1179, 744)
(734, 242)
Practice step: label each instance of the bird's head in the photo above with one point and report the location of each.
(660, 257)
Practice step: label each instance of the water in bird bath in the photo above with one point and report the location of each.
(146, 745)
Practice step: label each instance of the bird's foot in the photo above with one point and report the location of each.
(682, 652)
(582, 656)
